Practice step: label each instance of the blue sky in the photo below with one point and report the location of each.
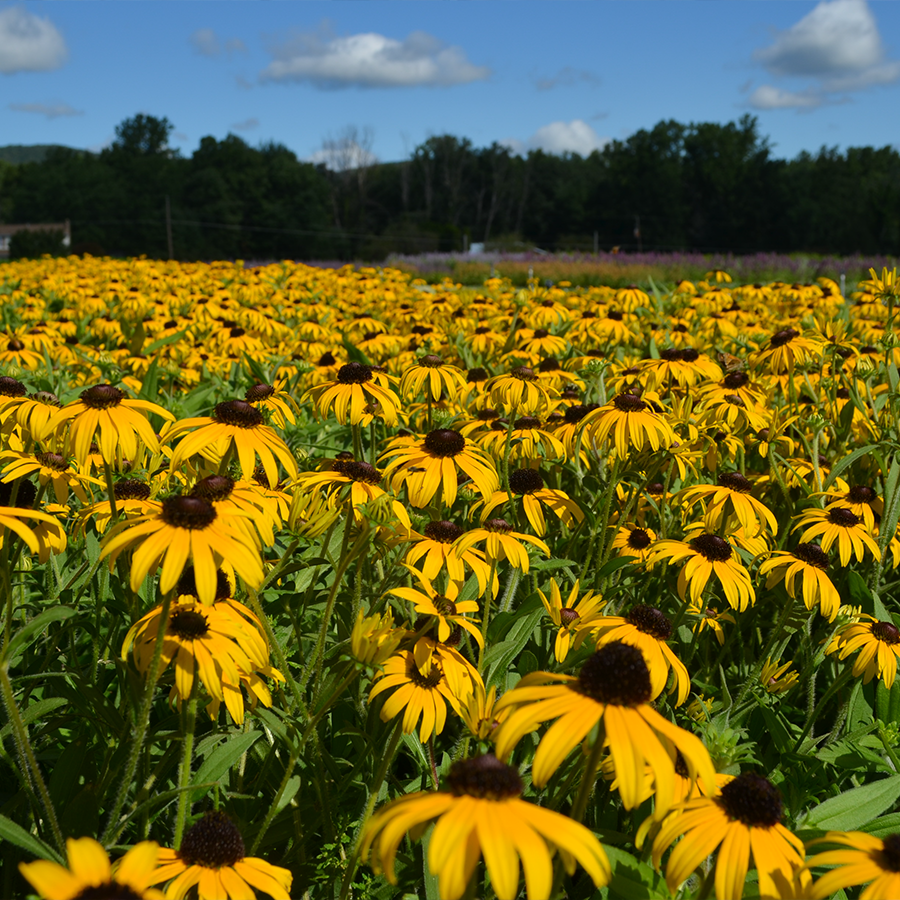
(566, 75)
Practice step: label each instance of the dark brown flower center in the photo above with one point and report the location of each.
(52, 461)
(357, 470)
(192, 513)
(734, 380)
(527, 422)
(187, 584)
(14, 346)
(238, 413)
(111, 890)
(525, 481)
(550, 364)
(259, 392)
(734, 481)
(213, 488)
(689, 354)
(812, 555)
(326, 360)
(713, 547)
(752, 800)
(354, 373)
(487, 414)
(212, 842)
(444, 532)
(890, 854)
(497, 525)
(484, 777)
(523, 373)
(11, 387)
(568, 616)
(843, 517)
(131, 489)
(477, 375)
(576, 413)
(431, 361)
(22, 489)
(780, 338)
(886, 632)
(628, 403)
(444, 605)
(650, 620)
(188, 624)
(429, 681)
(102, 396)
(638, 539)
(616, 674)
(859, 493)
(444, 442)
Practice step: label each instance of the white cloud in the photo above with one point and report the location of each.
(767, 96)
(371, 60)
(561, 137)
(566, 77)
(50, 110)
(837, 45)
(246, 125)
(206, 42)
(343, 155)
(29, 43)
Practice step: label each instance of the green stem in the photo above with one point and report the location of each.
(274, 805)
(486, 615)
(833, 688)
(184, 767)
(588, 778)
(374, 791)
(113, 827)
(29, 762)
(753, 677)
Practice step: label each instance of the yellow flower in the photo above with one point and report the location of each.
(183, 529)
(212, 859)
(90, 873)
(838, 525)
(374, 638)
(743, 819)
(879, 646)
(500, 542)
(105, 414)
(709, 618)
(518, 391)
(574, 620)
(351, 392)
(482, 813)
(728, 500)
(439, 377)
(613, 688)
(808, 563)
(631, 423)
(870, 860)
(775, 678)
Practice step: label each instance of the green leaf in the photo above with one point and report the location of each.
(16, 834)
(549, 564)
(615, 564)
(222, 759)
(34, 711)
(883, 825)
(633, 879)
(25, 636)
(159, 343)
(856, 807)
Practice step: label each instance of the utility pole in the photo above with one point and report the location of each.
(169, 228)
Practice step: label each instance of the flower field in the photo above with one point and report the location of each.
(329, 583)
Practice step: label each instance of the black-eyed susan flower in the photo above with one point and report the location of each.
(869, 860)
(438, 548)
(501, 542)
(518, 391)
(275, 400)
(51, 537)
(861, 500)
(729, 500)
(612, 688)
(705, 555)
(878, 644)
(631, 540)
(182, 530)
(222, 643)
(809, 563)
(104, 414)
(529, 485)
(527, 440)
(648, 629)
(33, 413)
(787, 348)
(132, 498)
(776, 676)
(743, 820)
(574, 617)
(428, 467)
(684, 367)
(481, 813)
(235, 427)
(630, 423)
(213, 861)
(351, 392)
(479, 714)
(90, 873)
(52, 470)
(709, 617)
(838, 525)
(442, 607)
(437, 377)
(424, 696)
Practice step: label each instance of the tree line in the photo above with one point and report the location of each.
(701, 186)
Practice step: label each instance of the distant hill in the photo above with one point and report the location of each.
(21, 153)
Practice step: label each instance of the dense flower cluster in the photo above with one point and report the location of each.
(363, 517)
